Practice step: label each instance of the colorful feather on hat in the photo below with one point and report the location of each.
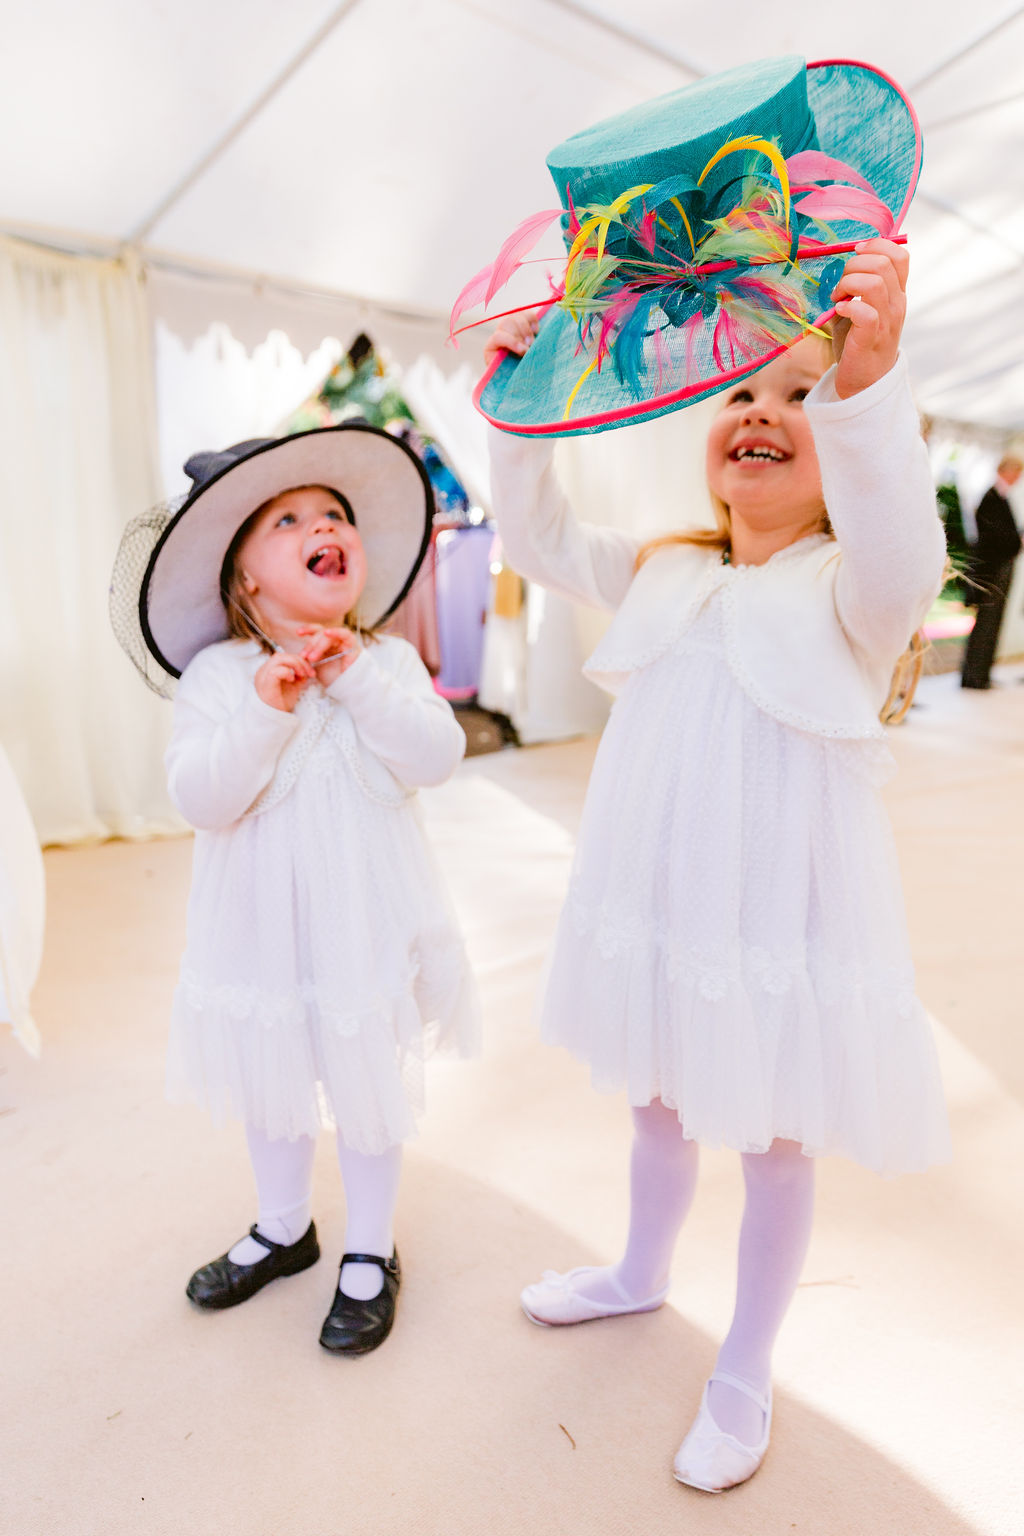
(672, 256)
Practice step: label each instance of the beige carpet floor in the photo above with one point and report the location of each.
(899, 1404)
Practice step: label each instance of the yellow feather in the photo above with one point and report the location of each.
(763, 147)
(686, 222)
(579, 385)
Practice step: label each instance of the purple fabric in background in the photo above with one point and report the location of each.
(463, 576)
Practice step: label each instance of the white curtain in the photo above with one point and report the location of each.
(84, 736)
(212, 391)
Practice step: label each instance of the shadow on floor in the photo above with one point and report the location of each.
(138, 1413)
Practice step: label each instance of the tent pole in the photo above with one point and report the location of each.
(232, 132)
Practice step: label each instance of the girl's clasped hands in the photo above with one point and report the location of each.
(284, 677)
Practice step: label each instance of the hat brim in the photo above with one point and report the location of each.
(385, 484)
(527, 395)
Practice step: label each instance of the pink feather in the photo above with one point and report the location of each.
(645, 231)
(603, 344)
(835, 202)
(690, 329)
(470, 297)
(811, 166)
(724, 335)
(519, 243)
(751, 285)
(614, 316)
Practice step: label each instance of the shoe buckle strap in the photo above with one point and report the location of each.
(389, 1266)
(265, 1242)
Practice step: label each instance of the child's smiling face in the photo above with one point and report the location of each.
(303, 561)
(761, 459)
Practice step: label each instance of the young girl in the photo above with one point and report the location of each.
(733, 949)
(321, 959)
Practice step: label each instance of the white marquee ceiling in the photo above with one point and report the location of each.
(383, 148)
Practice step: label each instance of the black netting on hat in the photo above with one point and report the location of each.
(138, 542)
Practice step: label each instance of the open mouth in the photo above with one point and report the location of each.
(758, 453)
(328, 561)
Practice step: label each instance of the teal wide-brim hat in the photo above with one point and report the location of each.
(705, 232)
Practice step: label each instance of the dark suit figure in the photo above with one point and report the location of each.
(989, 574)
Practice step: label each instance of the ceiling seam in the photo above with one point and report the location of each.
(968, 47)
(975, 111)
(965, 218)
(239, 125)
(605, 23)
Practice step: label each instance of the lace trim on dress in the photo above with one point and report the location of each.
(716, 973)
(750, 688)
(326, 717)
(636, 661)
(342, 732)
(722, 578)
(716, 573)
(289, 1010)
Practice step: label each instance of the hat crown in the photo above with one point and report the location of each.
(678, 133)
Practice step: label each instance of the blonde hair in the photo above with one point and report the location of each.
(242, 618)
(907, 672)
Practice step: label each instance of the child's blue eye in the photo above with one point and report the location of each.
(339, 516)
(285, 519)
(740, 395)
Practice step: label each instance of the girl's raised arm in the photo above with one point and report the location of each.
(542, 538)
(874, 466)
(881, 500)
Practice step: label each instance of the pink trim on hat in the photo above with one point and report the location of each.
(622, 412)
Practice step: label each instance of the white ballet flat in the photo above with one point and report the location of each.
(552, 1301)
(712, 1460)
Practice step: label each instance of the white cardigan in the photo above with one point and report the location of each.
(813, 634)
(232, 755)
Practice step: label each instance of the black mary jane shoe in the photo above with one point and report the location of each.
(354, 1327)
(222, 1283)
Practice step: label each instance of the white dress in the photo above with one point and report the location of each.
(734, 939)
(322, 959)
(738, 946)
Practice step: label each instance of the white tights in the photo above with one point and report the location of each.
(283, 1171)
(773, 1242)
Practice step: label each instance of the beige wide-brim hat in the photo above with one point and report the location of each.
(384, 485)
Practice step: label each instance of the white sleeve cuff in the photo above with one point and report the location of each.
(824, 403)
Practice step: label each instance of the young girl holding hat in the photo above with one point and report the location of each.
(322, 961)
(733, 949)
